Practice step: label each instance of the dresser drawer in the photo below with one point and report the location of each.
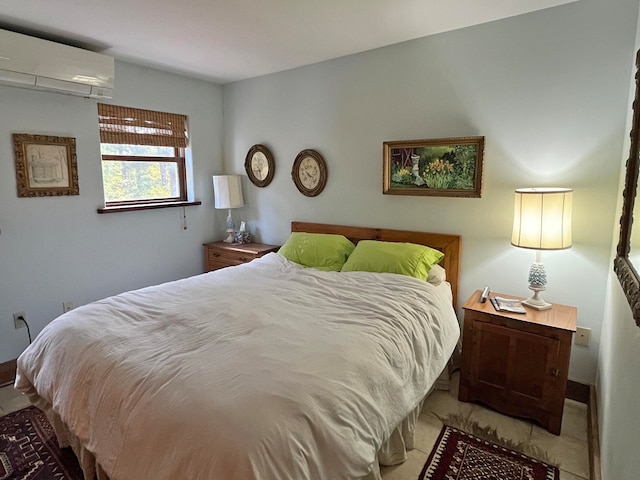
(220, 255)
(235, 258)
(217, 264)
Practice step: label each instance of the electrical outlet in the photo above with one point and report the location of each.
(67, 306)
(18, 320)
(583, 335)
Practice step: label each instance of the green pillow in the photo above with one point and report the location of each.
(393, 257)
(317, 250)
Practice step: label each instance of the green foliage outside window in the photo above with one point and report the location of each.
(126, 181)
(139, 178)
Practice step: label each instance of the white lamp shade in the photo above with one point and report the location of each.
(542, 218)
(227, 191)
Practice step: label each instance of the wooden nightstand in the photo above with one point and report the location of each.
(517, 363)
(219, 254)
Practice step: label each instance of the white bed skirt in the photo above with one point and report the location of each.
(393, 451)
(402, 439)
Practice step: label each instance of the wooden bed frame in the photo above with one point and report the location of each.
(450, 245)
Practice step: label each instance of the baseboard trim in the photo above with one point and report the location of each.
(8, 372)
(577, 391)
(593, 435)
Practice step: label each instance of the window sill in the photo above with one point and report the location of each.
(148, 206)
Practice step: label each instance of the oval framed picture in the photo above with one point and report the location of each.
(309, 173)
(259, 165)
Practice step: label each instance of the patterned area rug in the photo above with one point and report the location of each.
(29, 449)
(460, 456)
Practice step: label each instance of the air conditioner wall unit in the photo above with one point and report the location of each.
(30, 62)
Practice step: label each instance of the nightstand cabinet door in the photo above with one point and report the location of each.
(513, 371)
(517, 363)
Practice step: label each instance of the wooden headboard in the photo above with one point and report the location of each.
(450, 245)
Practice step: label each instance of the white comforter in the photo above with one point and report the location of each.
(262, 371)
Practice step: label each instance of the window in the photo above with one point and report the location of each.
(143, 156)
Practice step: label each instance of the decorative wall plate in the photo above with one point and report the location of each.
(309, 173)
(259, 165)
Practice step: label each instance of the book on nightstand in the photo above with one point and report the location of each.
(502, 304)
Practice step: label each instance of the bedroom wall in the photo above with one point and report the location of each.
(618, 382)
(58, 249)
(618, 389)
(548, 90)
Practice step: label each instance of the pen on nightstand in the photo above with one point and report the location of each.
(494, 302)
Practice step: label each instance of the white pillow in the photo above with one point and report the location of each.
(437, 275)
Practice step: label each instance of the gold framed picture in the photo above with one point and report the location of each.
(443, 167)
(309, 173)
(259, 165)
(45, 165)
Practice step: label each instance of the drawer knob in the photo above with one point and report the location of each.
(215, 254)
(243, 259)
(555, 372)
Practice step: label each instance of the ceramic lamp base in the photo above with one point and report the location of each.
(535, 301)
(230, 238)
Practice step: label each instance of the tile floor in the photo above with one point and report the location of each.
(11, 400)
(570, 449)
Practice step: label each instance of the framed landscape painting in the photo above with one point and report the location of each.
(443, 167)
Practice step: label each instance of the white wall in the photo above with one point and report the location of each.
(56, 249)
(548, 90)
(618, 389)
(618, 382)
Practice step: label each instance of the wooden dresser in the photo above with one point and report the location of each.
(517, 363)
(219, 254)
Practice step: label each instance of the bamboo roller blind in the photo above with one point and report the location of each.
(135, 126)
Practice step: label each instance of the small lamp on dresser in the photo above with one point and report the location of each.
(541, 221)
(227, 191)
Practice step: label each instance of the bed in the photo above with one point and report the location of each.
(263, 371)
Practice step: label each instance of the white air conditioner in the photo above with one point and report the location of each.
(30, 62)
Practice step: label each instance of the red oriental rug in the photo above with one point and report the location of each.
(460, 456)
(29, 449)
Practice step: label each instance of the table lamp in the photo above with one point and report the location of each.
(227, 192)
(541, 221)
